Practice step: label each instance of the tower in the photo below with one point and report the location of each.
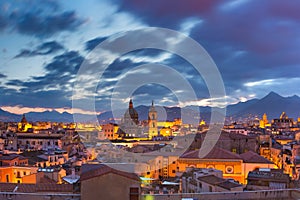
(152, 121)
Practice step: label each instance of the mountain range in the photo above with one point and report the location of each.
(273, 105)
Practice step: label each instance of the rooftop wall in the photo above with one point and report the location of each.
(263, 194)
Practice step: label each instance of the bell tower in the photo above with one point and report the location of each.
(152, 121)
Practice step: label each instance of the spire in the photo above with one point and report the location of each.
(24, 119)
(130, 103)
(152, 103)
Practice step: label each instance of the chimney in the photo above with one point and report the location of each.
(73, 173)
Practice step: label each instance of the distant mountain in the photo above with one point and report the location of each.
(52, 116)
(9, 117)
(272, 104)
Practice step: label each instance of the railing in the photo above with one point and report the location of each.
(283, 194)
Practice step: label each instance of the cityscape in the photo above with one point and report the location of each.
(149, 100)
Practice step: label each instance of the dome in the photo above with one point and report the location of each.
(131, 113)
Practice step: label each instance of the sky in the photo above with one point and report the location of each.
(254, 44)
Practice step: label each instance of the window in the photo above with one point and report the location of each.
(229, 169)
(234, 150)
(7, 178)
(134, 193)
(210, 189)
(173, 171)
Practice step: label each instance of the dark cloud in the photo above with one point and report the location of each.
(248, 40)
(91, 44)
(2, 76)
(43, 49)
(54, 89)
(68, 62)
(43, 26)
(36, 18)
(169, 12)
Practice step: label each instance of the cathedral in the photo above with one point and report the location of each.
(129, 126)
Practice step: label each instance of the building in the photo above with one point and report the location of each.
(152, 122)
(15, 174)
(263, 179)
(283, 123)
(129, 126)
(13, 160)
(197, 180)
(38, 141)
(23, 125)
(99, 180)
(233, 166)
(109, 131)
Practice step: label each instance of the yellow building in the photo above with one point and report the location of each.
(14, 174)
(23, 126)
(263, 123)
(166, 132)
(232, 165)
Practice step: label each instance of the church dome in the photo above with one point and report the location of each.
(131, 113)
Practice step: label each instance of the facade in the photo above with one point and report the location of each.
(38, 141)
(232, 165)
(109, 131)
(15, 174)
(99, 181)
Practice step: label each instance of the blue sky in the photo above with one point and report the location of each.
(254, 43)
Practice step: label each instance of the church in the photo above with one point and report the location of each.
(129, 126)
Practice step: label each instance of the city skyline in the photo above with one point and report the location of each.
(255, 46)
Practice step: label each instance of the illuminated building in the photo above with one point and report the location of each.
(15, 174)
(232, 165)
(263, 123)
(152, 122)
(283, 123)
(23, 126)
(109, 131)
(165, 131)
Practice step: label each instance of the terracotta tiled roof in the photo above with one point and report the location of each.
(252, 157)
(34, 188)
(11, 157)
(215, 153)
(89, 171)
(7, 187)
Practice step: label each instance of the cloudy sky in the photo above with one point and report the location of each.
(255, 45)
